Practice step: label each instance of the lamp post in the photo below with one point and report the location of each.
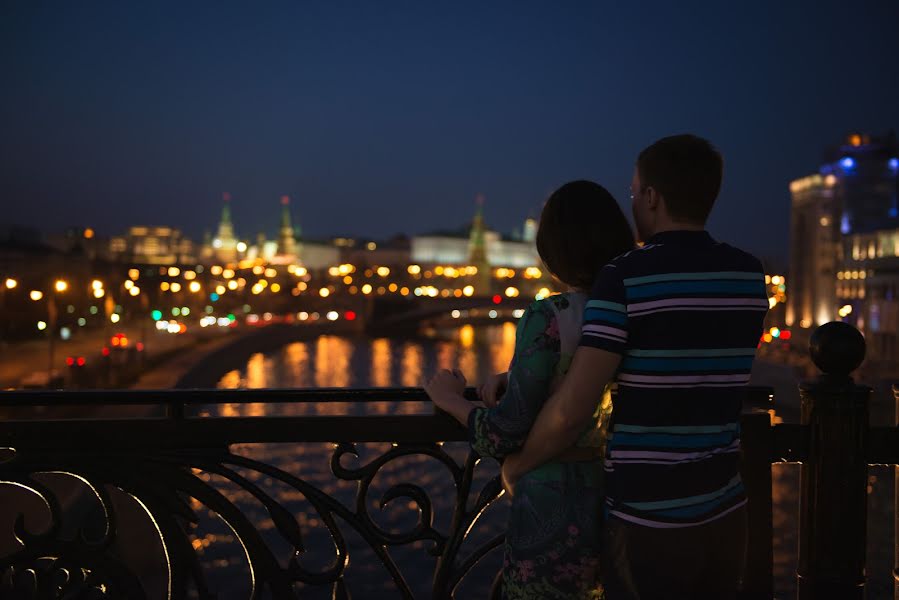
(9, 284)
(60, 286)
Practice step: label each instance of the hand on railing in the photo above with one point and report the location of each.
(493, 389)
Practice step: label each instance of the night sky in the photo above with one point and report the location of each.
(385, 117)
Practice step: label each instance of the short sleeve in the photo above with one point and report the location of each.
(503, 429)
(605, 315)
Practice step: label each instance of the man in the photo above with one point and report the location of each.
(675, 323)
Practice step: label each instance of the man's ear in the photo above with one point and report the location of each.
(653, 199)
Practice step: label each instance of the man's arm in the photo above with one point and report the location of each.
(566, 413)
(604, 339)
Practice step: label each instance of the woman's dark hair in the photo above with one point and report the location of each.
(581, 229)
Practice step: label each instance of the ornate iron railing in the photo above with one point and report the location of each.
(165, 457)
(159, 457)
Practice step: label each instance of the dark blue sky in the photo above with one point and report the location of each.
(382, 117)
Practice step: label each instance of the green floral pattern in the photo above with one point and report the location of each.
(553, 540)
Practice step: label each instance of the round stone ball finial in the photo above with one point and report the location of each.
(837, 348)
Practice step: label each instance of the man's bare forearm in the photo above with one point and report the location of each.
(553, 433)
(568, 411)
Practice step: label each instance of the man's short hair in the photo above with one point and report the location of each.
(686, 171)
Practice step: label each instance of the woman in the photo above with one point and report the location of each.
(552, 542)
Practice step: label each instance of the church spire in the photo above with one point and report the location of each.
(225, 244)
(477, 246)
(477, 250)
(226, 210)
(286, 239)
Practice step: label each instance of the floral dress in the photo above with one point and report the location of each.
(553, 539)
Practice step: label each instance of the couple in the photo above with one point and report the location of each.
(674, 324)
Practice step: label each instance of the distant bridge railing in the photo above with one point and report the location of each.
(166, 456)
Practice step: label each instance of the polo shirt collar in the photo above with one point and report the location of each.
(681, 237)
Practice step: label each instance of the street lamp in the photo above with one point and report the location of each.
(61, 285)
(10, 284)
(36, 295)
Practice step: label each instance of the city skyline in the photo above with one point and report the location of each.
(382, 120)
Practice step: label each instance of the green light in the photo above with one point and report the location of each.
(185, 311)
(209, 309)
(156, 314)
(93, 310)
(246, 308)
(231, 317)
(176, 311)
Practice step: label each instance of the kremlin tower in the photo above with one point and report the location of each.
(224, 245)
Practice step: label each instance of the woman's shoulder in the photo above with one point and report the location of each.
(566, 301)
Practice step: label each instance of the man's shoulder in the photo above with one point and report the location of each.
(740, 259)
(636, 257)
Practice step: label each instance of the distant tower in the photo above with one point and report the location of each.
(477, 250)
(225, 244)
(260, 243)
(477, 245)
(287, 245)
(530, 231)
(206, 251)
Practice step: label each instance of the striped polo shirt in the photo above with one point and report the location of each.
(685, 313)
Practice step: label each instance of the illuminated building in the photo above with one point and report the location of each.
(475, 244)
(393, 252)
(845, 243)
(285, 249)
(152, 246)
(814, 239)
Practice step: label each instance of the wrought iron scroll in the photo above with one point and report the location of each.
(48, 565)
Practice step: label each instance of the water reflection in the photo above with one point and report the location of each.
(296, 362)
(257, 372)
(502, 351)
(411, 374)
(333, 361)
(381, 362)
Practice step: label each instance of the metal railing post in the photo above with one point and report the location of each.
(896, 501)
(833, 504)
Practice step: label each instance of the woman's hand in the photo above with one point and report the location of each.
(445, 387)
(494, 388)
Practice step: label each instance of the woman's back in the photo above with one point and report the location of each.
(552, 545)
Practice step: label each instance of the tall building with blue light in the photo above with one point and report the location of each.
(844, 243)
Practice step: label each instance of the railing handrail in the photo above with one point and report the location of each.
(757, 394)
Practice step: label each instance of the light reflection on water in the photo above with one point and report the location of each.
(331, 361)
